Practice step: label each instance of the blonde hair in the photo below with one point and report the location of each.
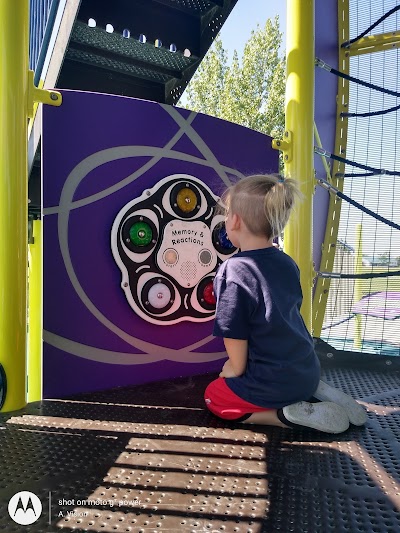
(263, 202)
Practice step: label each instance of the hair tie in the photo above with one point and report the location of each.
(281, 179)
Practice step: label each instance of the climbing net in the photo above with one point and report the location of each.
(363, 308)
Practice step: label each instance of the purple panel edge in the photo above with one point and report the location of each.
(326, 48)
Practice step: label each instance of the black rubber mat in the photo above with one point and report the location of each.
(151, 459)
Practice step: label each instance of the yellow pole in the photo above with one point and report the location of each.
(35, 315)
(358, 286)
(299, 112)
(14, 31)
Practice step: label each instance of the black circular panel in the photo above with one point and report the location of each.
(139, 234)
(157, 295)
(185, 199)
(220, 240)
(205, 293)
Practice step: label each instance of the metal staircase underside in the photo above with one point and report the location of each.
(97, 60)
(82, 57)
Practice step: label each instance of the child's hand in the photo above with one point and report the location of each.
(227, 370)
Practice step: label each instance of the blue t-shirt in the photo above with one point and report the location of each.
(259, 296)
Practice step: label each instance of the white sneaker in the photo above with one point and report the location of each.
(356, 412)
(324, 416)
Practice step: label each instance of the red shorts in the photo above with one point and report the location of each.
(223, 402)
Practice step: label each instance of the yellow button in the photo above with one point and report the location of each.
(186, 200)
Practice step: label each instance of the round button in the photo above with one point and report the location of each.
(170, 256)
(159, 295)
(221, 240)
(205, 257)
(224, 240)
(208, 294)
(140, 234)
(186, 200)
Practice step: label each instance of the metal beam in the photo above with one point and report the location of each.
(332, 224)
(35, 314)
(64, 21)
(14, 89)
(299, 112)
(375, 43)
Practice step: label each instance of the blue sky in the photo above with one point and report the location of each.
(245, 16)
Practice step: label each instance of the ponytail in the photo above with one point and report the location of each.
(264, 202)
(279, 201)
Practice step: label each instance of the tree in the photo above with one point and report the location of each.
(250, 91)
(384, 259)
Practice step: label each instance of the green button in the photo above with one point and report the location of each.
(140, 234)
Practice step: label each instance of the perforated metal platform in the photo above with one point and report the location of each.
(151, 459)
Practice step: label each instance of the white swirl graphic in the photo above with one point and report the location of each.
(152, 352)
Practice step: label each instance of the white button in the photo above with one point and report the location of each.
(159, 295)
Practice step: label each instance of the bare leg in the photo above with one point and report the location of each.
(265, 418)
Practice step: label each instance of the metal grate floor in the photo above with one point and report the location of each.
(151, 459)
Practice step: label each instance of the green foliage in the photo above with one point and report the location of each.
(251, 90)
(384, 259)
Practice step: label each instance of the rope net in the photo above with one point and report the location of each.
(364, 314)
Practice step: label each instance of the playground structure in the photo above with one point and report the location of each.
(132, 238)
(355, 337)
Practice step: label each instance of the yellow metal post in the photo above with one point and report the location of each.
(299, 110)
(358, 286)
(14, 30)
(332, 222)
(35, 315)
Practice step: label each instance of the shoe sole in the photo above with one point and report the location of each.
(356, 412)
(325, 416)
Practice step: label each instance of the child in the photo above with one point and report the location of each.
(272, 368)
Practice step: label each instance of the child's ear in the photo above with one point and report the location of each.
(236, 221)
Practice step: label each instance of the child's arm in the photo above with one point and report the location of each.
(237, 353)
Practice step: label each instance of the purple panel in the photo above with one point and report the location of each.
(326, 48)
(99, 153)
(61, 379)
(381, 304)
